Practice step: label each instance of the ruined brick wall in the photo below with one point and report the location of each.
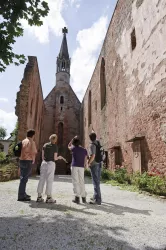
(29, 103)
(135, 76)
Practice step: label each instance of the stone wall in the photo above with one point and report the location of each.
(66, 113)
(29, 103)
(134, 52)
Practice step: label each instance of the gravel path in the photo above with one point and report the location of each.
(125, 220)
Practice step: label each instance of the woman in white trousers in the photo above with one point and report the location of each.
(47, 170)
(79, 159)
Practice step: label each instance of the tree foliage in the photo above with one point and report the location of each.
(3, 133)
(11, 14)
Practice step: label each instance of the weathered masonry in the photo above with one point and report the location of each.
(125, 102)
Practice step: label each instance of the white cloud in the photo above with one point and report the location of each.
(84, 57)
(54, 22)
(8, 120)
(3, 99)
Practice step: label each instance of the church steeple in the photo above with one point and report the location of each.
(63, 60)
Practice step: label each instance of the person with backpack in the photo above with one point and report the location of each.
(27, 152)
(95, 163)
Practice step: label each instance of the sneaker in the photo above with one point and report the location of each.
(29, 196)
(83, 199)
(92, 199)
(94, 202)
(50, 200)
(24, 199)
(76, 200)
(39, 199)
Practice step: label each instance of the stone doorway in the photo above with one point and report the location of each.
(137, 163)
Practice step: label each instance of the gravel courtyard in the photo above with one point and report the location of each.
(125, 220)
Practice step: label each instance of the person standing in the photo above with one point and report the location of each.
(27, 158)
(79, 160)
(95, 163)
(47, 170)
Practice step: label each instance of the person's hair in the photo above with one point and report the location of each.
(30, 133)
(53, 138)
(92, 136)
(76, 142)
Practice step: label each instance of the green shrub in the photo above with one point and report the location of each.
(87, 172)
(107, 174)
(156, 185)
(2, 156)
(121, 175)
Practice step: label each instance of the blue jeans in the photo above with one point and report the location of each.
(96, 173)
(25, 171)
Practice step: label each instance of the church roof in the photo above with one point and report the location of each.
(64, 48)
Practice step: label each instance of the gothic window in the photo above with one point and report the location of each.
(133, 40)
(60, 133)
(62, 100)
(89, 109)
(1, 147)
(63, 65)
(102, 84)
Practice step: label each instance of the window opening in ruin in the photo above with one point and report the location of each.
(96, 105)
(60, 133)
(118, 156)
(61, 108)
(102, 84)
(1, 147)
(31, 107)
(89, 109)
(133, 39)
(62, 100)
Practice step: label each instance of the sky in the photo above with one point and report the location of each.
(87, 22)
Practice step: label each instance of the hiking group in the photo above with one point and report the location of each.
(81, 159)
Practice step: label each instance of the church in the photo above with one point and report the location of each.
(58, 113)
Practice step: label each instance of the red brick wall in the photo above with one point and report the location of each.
(29, 103)
(135, 84)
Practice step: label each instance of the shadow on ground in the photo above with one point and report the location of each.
(61, 232)
(91, 209)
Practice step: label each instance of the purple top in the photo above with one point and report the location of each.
(78, 156)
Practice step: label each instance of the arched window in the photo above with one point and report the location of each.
(1, 147)
(102, 84)
(63, 65)
(60, 133)
(62, 100)
(89, 108)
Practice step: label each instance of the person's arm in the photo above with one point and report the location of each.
(92, 154)
(34, 153)
(85, 161)
(42, 154)
(70, 145)
(91, 159)
(56, 157)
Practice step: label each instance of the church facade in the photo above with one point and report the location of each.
(58, 113)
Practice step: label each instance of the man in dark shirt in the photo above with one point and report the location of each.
(79, 159)
(49, 156)
(95, 168)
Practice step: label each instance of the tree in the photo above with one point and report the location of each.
(11, 13)
(3, 133)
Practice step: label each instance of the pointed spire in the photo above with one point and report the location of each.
(64, 48)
